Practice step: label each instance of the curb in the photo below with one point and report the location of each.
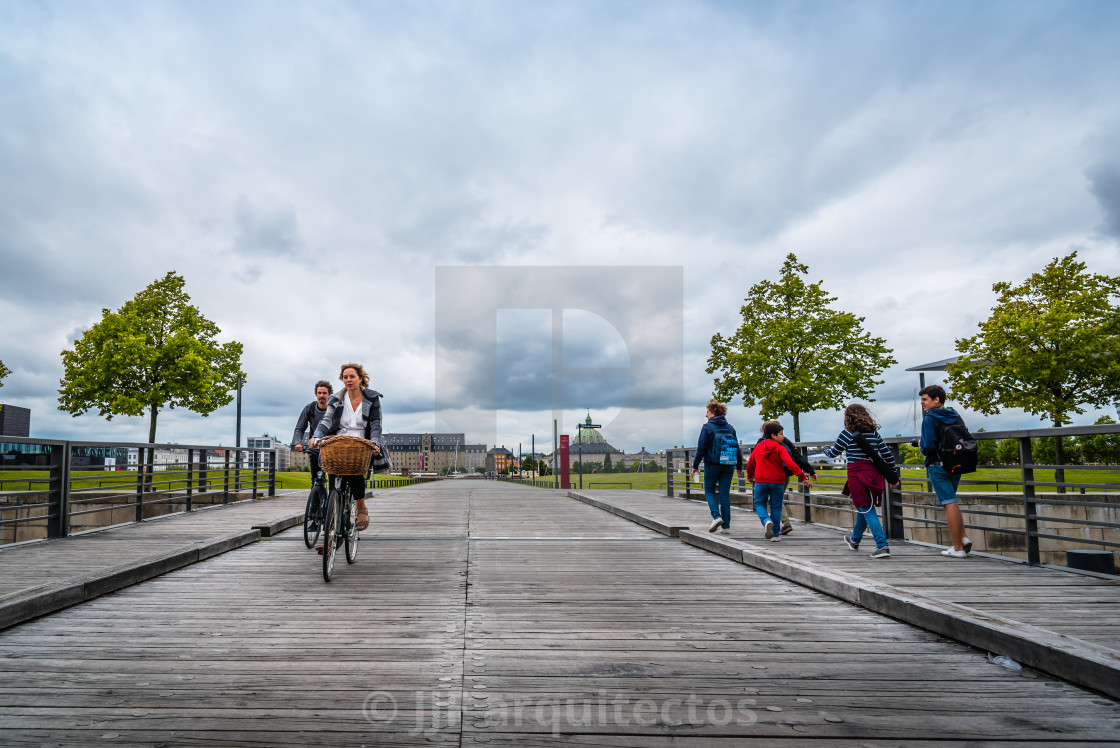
(1069, 658)
(653, 524)
(54, 597)
(277, 527)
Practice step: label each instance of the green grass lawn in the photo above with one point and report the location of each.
(834, 479)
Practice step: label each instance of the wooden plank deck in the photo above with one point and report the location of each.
(486, 613)
(30, 565)
(1064, 602)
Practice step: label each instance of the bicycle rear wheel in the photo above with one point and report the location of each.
(331, 522)
(313, 515)
(352, 531)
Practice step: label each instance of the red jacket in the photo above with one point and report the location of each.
(765, 463)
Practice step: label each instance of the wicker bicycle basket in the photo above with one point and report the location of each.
(343, 454)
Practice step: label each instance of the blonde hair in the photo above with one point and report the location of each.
(359, 369)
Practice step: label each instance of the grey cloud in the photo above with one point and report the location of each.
(1104, 184)
(268, 230)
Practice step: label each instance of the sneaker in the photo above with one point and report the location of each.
(786, 530)
(776, 538)
(967, 545)
(881, 553)
(851, 545)
(954, 553)
(716, 523)
(725, 530)
(769, 529)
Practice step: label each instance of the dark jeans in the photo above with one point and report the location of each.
(357, 484)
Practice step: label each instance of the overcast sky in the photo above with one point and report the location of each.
(308, 166)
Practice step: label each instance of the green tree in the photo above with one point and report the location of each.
(1050, 346)
(157, 351)
(986, 449)
(4, 371)
(795, 354)
(608, 466)
(1101, 448)
(1007, 452)
(908, 454)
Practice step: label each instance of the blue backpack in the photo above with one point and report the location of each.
(724, 449)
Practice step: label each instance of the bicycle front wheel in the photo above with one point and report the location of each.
(312, 515)
(331, 526)
(352, 532)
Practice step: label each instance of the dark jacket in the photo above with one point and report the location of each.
(769, 462)
(371, 412)
(309, 419)
(795, 453)
(934, 421)
(704, 443)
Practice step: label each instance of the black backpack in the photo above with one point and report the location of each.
(724, 449)
(958, 451)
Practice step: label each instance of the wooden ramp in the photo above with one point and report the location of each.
(482, 613)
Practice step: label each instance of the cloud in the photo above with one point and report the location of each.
(1104, 184)
(310, 169)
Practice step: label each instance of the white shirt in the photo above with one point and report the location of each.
(351, 422)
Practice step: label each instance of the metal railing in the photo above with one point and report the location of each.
(62, 499)
(1020, 516)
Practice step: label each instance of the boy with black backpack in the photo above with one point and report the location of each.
(718, 448)
(950, 452)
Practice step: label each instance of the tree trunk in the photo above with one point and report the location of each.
(151, 452)
(1059, 459)
(797, 427)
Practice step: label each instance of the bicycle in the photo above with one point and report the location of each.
(342, 455)
(313, 512)
(341, 525)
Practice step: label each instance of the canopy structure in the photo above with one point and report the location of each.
(933, 366)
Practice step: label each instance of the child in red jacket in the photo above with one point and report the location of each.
(764, 469)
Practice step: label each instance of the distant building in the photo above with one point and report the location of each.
(499, 459)
(283, 451)
(431, 453)
(15, 421)
(593, 446)
(643, 457)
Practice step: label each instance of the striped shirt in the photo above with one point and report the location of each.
(845, 443)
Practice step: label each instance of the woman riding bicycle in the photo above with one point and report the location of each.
(355, 411)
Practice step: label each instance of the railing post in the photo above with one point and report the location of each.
(805, 491)
(256, 470)
(58, 519)
(225, 480)
(237, 471)
(687, 475)
(895, 528)
(1030, 509)
(204, 472)
(141, 463)
(190, 477)
(272, 472)
(669, 473)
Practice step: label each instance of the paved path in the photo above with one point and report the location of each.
(485, 613)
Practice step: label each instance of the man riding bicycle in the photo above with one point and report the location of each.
(309, 419)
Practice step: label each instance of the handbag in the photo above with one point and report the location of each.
(884, 468)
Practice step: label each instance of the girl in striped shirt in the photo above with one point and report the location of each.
(865, 485)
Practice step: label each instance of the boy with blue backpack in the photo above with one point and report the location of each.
(718, 448)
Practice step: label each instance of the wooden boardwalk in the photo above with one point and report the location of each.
(1069, 603)
(482, 613)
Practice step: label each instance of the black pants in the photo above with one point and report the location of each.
(357, 484)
